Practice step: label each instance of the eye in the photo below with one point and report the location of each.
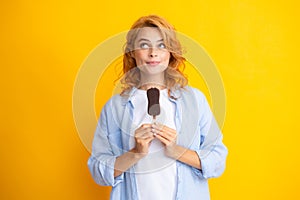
(144, 46)
(162, 46)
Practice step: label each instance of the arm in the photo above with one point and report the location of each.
(143, 137)
(211, 152)
(125, 161)
(168, 137)
(186, 156)
(209, 157)
(105, 167)
(104, 151)
(108, 160)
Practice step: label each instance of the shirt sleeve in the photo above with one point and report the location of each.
(102, 160)
(212, 152)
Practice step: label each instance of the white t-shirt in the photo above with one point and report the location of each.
(156, 174)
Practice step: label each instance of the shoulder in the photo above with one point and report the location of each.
(115, 101)
(188, 90)
(113, 109)
(118, 101)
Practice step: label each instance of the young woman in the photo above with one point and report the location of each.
(172, 156)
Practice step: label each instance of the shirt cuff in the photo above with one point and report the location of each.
(109, 170)
(118, 179)
(204, 172)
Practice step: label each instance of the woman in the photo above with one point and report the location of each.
(172, 156)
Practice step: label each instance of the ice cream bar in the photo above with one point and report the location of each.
(153, 102)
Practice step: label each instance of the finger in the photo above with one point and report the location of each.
(140, 132)
(144, 136)
(166, 137)
(142, 128)
(163, 127)
(163, 140)
(149, 139)
(169, 129)
(145, 125)
(167, 134)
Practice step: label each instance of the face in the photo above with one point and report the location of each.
(151, 55)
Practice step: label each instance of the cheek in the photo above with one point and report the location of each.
(166, 56)
(139, 55)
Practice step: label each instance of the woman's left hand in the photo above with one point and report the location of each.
(167, 136)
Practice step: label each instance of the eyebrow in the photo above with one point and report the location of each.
(143, 39)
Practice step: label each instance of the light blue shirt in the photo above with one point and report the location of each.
(196, 130)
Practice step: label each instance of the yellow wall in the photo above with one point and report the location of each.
(254, 44)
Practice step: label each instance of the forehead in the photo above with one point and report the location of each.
(150, 33)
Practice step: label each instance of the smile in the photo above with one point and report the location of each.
(153, 63)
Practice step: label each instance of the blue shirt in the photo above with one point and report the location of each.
(196, 130)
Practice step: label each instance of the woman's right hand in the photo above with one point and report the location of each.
(143, 137)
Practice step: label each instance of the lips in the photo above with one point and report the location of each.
(153, 63)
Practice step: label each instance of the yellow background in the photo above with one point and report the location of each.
(254, 44)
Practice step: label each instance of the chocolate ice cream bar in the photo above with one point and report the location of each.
(153, 102)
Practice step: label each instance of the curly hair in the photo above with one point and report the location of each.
(174, 78)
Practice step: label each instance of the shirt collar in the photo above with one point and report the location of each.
(127, 98)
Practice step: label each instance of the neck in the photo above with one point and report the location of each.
(152, 85)
(148, 82)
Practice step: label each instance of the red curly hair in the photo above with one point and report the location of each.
(174, 78)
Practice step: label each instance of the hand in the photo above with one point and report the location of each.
(143, 137)
(168, 137)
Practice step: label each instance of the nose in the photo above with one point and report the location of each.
(153, 52)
